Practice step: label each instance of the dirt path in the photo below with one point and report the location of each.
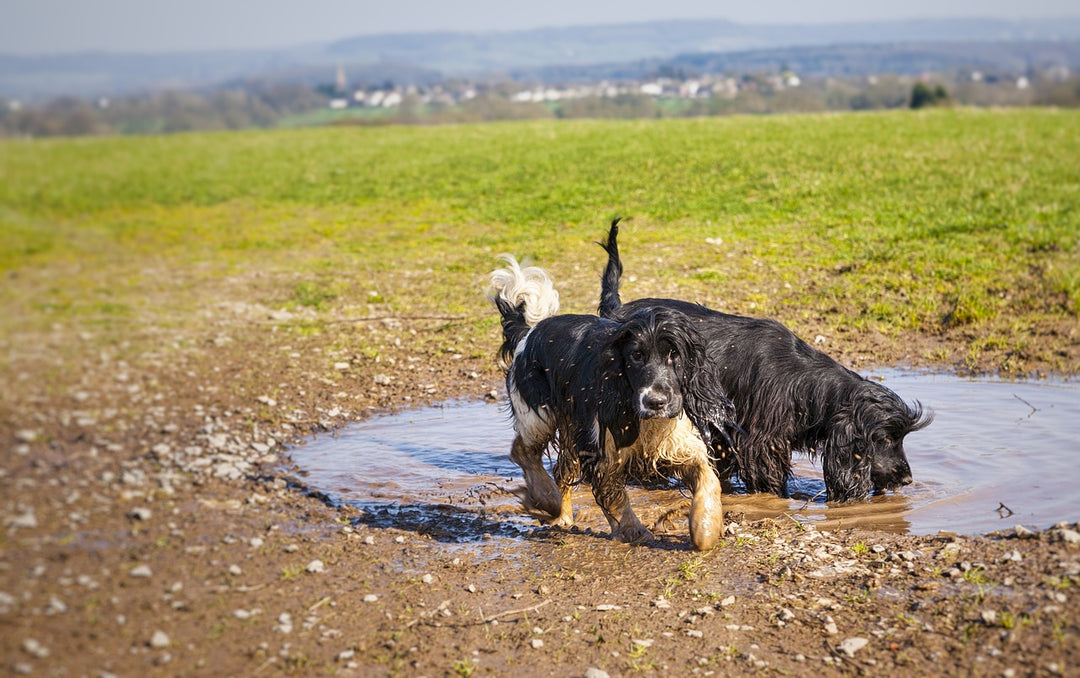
(152, 525)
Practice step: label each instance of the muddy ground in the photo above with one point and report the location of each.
(152, 524)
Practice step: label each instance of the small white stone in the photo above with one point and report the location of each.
(607, 607)
(141, 572)
(140, 513)
(536, 643)
(32, 647)
(315, 566)
(1024, 533)
(850, 646)
(159, 640)
(1067, 536)
(730, 600)
(371, 598)
(26, 519)
(427, 579)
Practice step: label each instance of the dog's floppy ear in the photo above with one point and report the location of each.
(704, 399)
(615, 396)
(846, 460)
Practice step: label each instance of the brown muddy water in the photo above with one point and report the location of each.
(999, 453)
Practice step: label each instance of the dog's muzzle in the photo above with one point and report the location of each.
(652, 403)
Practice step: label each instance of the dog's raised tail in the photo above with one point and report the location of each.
(609, 283)
(524, 297)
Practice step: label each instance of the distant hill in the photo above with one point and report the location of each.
(1013, 58)
(421, 57)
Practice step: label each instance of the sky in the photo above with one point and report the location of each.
(59, 26)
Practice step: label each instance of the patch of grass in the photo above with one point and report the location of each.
(464, 667)
(950, 221)
(312, 294)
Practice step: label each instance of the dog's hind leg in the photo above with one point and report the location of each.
(567, 472)
(542, 496)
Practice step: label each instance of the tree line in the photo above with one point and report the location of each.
(262, 105)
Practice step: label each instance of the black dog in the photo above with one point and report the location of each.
(613, 392)
(790, 396)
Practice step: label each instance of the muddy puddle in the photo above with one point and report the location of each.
(998, 454)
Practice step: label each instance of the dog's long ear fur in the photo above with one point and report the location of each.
(609, 283)
(615, 406)
(704, 401)
(847, 456)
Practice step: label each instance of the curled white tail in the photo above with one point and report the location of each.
(531, 285)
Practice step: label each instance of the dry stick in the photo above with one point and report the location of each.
(366, 318)
(1033, 408)
(319, 604)
(485, 620)
(811, 499)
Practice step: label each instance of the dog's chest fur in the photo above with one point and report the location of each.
(662, 442)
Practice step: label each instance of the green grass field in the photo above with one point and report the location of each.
(897, 223)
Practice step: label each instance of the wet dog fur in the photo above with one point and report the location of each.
(789, 397)
(605, 393)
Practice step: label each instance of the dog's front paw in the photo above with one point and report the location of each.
(633, 534)
(706, 513)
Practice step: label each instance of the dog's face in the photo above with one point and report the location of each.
(654, 350)
(889, 469)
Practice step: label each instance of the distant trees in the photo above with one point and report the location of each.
(260, 104)
(923, 95)
(249, 105)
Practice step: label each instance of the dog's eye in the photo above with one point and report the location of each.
(673, 356)
(637, 355)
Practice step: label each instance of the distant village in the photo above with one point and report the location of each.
(699, 87)
(452, 94)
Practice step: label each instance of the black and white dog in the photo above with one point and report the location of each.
(789, 397)
(611, 392)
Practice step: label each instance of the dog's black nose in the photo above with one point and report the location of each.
(907, 479)
(653, 402)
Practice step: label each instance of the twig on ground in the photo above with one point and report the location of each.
(360, 319)
(485, 620)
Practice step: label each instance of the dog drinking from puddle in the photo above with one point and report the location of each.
(604, 393)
